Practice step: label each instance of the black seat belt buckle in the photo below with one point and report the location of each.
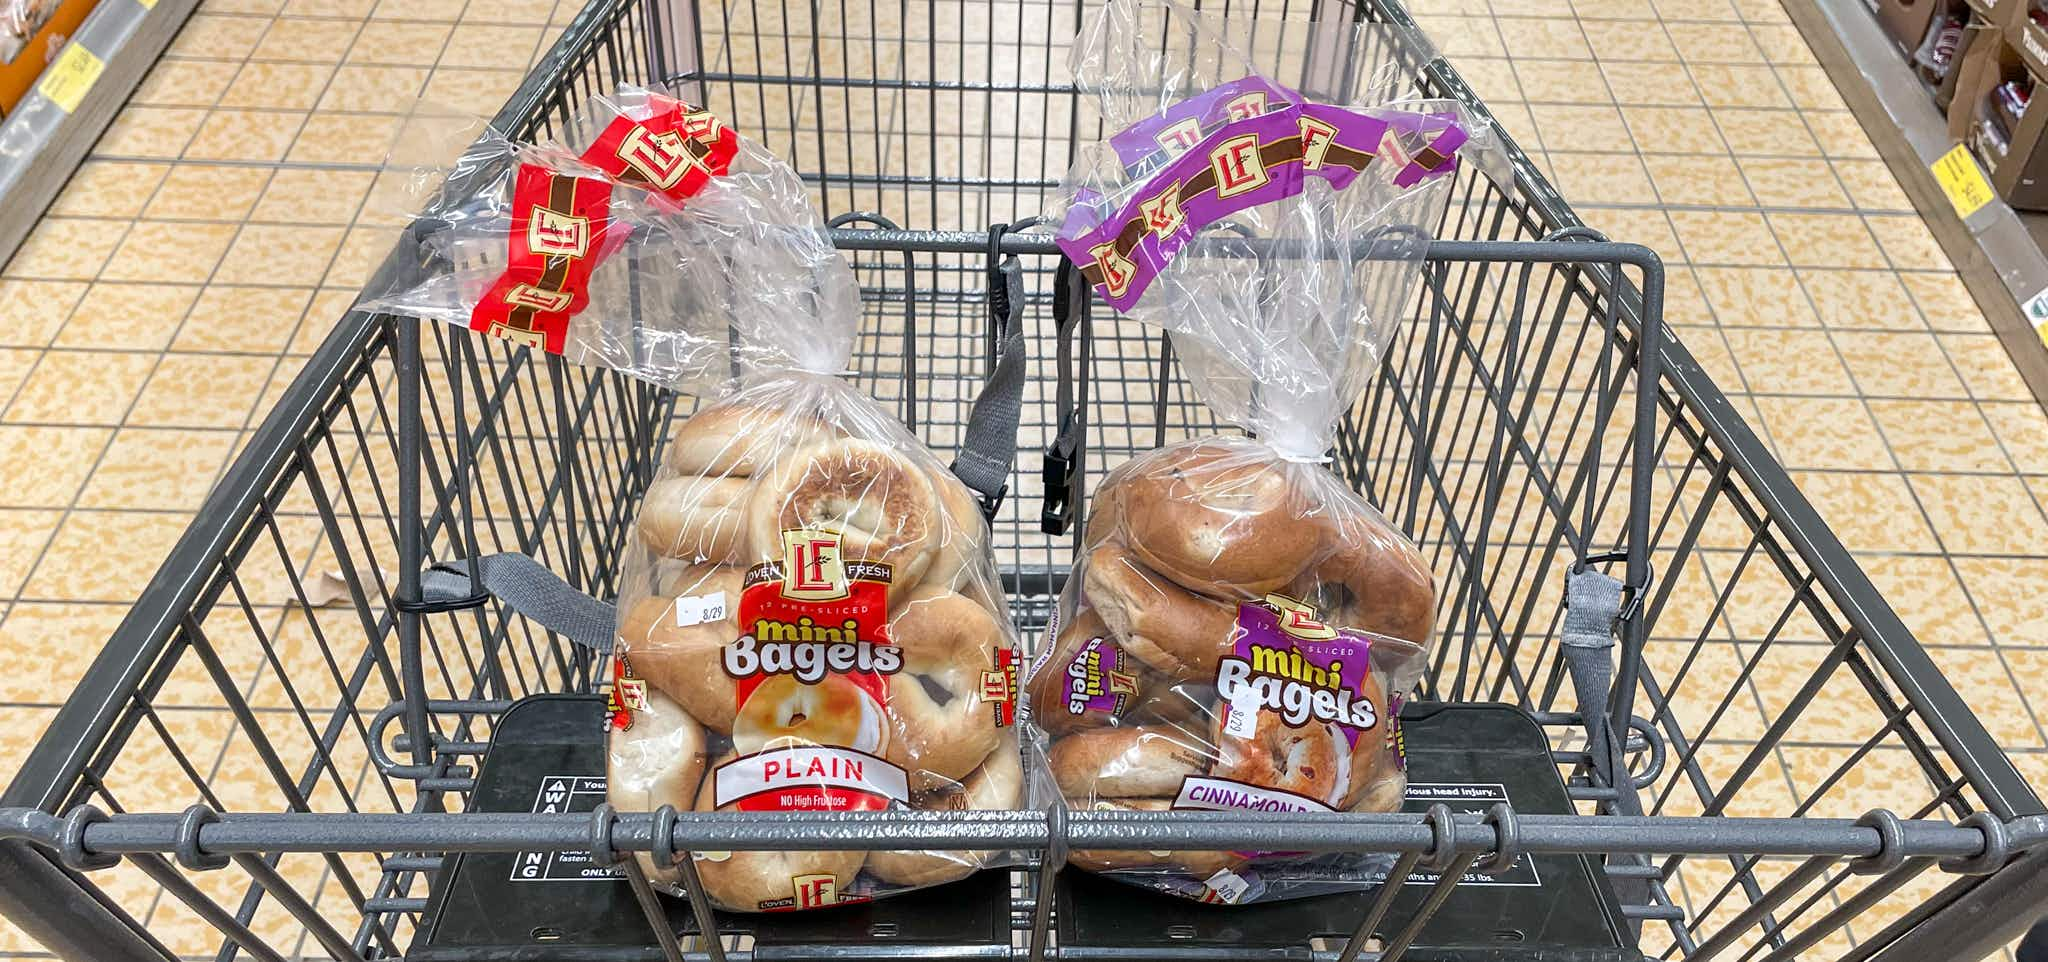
(993, 504)
(1058, 477)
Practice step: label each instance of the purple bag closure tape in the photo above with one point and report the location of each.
(1157, 139)
(1245, 163)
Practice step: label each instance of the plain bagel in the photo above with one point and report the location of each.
(880, 503)
(697, 519)
(687, 662)
(942, 729)
(738, 440)
(657, 760)
(748, 881)
(1222, 516)
(1133, 761)
(995, 786)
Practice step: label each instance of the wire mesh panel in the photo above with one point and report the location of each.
(263, 669)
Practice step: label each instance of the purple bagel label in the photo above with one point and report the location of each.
(1286, 662)
(1101, 677)
(1177, 129)
(1252, 160)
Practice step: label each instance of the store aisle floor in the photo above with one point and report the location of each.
(228, 217)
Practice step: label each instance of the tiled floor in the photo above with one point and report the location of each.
(231, 212)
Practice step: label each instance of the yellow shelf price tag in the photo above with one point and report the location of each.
(1962, 180)
(66, 80)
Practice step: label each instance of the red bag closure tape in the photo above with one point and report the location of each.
(561, 230)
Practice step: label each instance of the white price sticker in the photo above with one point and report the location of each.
(698, 609)
(1228, 886)
(1243, 719)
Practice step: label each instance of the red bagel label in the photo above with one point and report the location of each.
(811, 674)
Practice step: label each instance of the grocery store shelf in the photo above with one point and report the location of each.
(1998, 257)
(51, 130)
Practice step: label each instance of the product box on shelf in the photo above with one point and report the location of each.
(1993, 113)
(31, 33)
(1907, 21)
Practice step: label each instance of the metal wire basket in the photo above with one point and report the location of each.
(334, 749)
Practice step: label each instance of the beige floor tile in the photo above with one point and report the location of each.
(481, 45)
(2005, 591)
(1870, 512)
(1898, 365)
(1726, 238)
(1738, 85)
(1553, 38)
(1939, 436)
(1492, 78)
(1767, 133)
(170, 252)
(1756, 297)
(1647, 83)
(209, 36)
(446, 10)
(104, 555)
(66, 248)
(1788, 362)
(15, 365)
(1928, 597)
(538, 11)
(1781, 43)
(1810, 87)
(1872, 185)
(1593, 126)
(208, 192)
(1827, 240)
(243, 319)
(1714, 43)
(279, 254)
(1614, 9)
(157, 469)
(1563, 81)
(307, 41)
(345, 138)
(80, 387)
(2023, 429)
(1665, 130)
(473, 91)
(1793, 182)
(202, 390)
(245, 135)
(1976, 514)
(45, 467)
(150, 132)
(413, 44)
(1841, 136)
(1823, 433)
(36, 310)
(185, 83)
(1994, 697)
(1649, 227)
(1617, 176)
(109, 188)
(1861, 300)
(283, 86)
(360, 253)
(1621, 40)
(1699, 181)
(1985, 367)
(127, 316)
(1909, 244)
(1946, 303)
(358, 87)
(351, 9)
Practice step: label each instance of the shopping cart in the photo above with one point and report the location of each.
(349, 772)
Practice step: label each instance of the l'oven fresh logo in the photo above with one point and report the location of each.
(659, 157)
(553, 233)
(1238, 166)
(1088, 679)
(812, 569)
(1271, 668)
(1298, 619)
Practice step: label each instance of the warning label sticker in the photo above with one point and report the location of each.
(1476, 798)
(558, 794)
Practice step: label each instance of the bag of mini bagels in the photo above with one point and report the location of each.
(809, 614)
(1241, 627)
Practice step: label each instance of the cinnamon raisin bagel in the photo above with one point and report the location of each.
(1374, 580)
(1135, 761)
(1222, 516)
(1174, 630)
(1200, 865)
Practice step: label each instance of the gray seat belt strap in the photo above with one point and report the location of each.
(527, 587)
(1592, 605)
(989, 447)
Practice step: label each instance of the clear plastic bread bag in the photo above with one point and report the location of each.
(1241, 627)
(810, 618)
